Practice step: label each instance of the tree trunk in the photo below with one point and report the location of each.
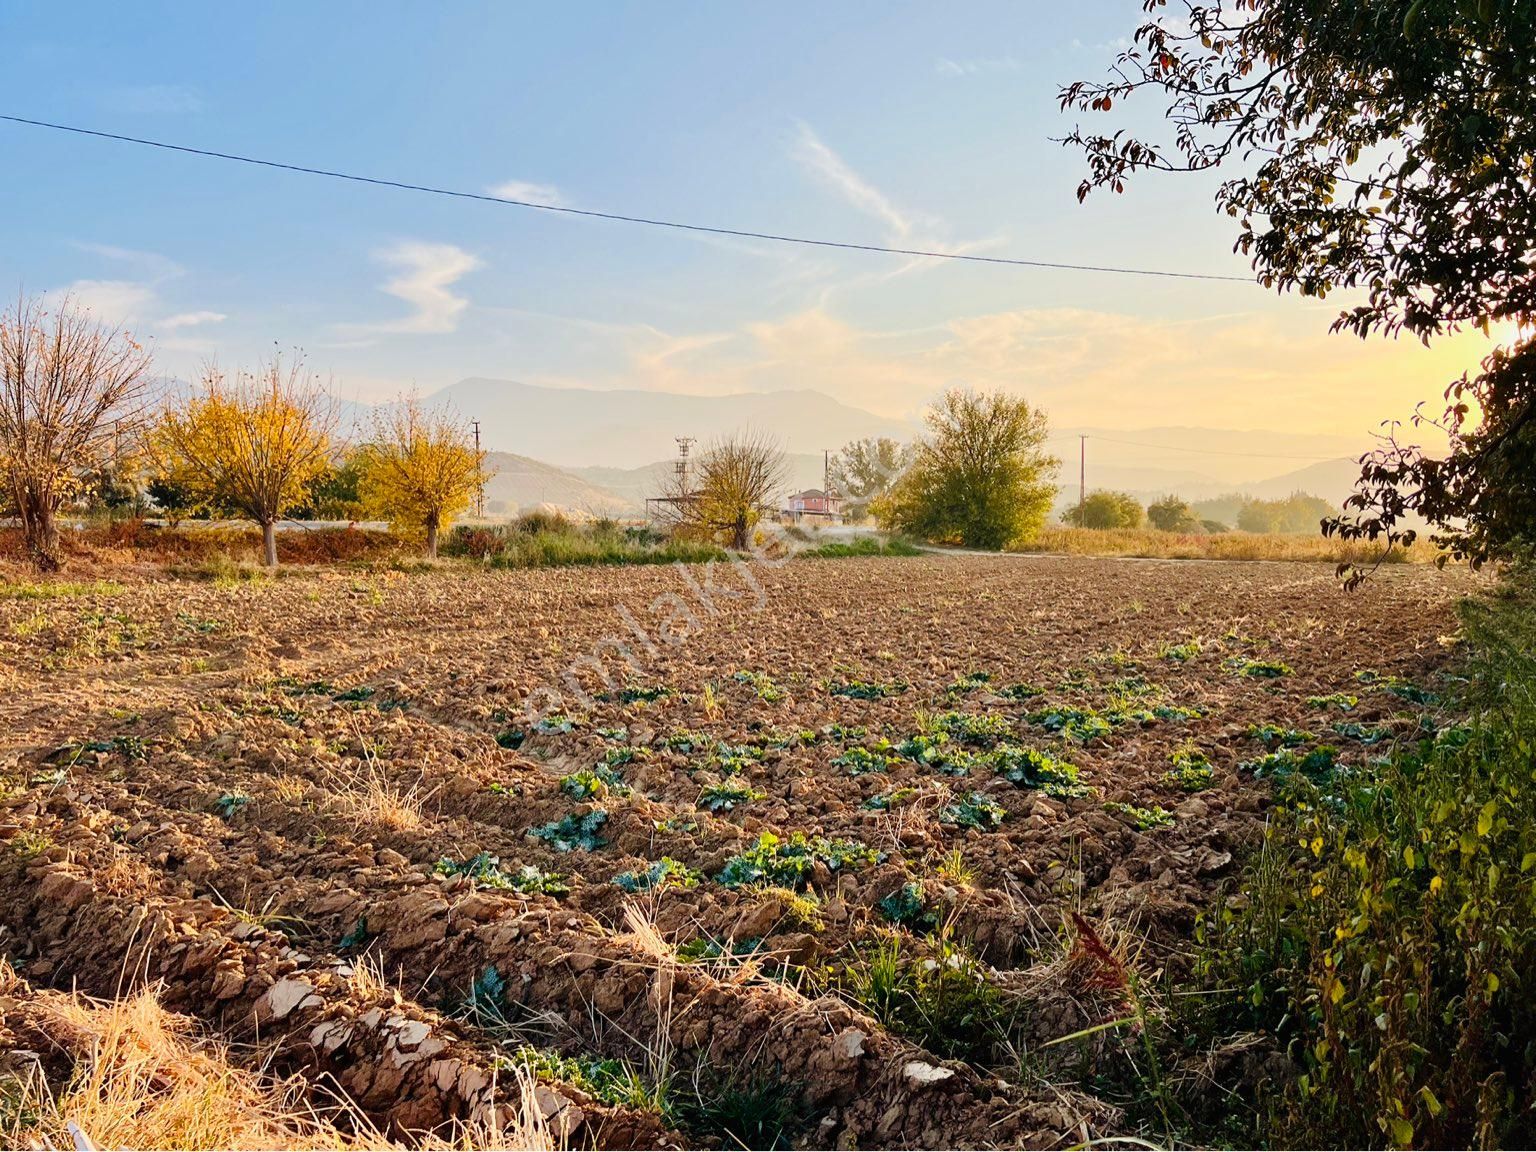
(40, 528)
(269, 544)
(432, 537)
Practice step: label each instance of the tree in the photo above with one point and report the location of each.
(1104, 509)
(1171, 514)
(71, 395)
(175, 501)
(1298, 512)
(420, 469)
(737, 479)
(253, 444)
(1388, 147)
(980, 477)
(865, 470)
(335, 492)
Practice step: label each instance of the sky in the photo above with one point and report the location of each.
(907, 125)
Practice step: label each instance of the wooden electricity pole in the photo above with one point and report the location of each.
(480, 493)
(1082, 478)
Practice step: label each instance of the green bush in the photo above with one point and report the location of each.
(1387, 939)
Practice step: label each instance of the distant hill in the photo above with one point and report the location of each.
(627, 428)
(519, 483)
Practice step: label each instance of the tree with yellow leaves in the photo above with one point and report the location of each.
(252, 444)
(420, 469)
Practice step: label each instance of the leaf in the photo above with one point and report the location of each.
(1410, 23)
(1402, 1130)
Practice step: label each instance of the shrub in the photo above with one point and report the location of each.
(1104, 509)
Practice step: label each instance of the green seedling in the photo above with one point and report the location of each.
(664, 874)
(571, 832)
(728, 794)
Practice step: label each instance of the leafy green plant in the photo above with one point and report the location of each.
(663, 874)
(1180, 653)
(1022, 692)
(511, 739)
(895, 798)
(907, 907)
(1081, 724)
(1175, 713)
(1340, 700)
(484, 871)
(1191, 771)
(594, 783)
(854, 689)
(1032, 768)
(1259, 669)
(1317, 765)
(230, 803)
(611, 1082)
(571, 832)
(789, 863)
(624, 754)
(1145, 819)
(860, 761)
(687, 741)
(1272, 735)
(970, 682)
(979, 729)
(556, 724)
(974, 810)
(761, 683)
(1361, 733)
(923, 748)
(744, 1109)
(639, 694)
(728, 794)
(846, 733)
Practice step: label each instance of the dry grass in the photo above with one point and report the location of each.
(1153, 544)
(370, 797)
(144, 1079)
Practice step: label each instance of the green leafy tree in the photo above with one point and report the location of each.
(1383, 146)
(866, 469)
(335, 493)
(980, 478)
(1171, 514)
(1297, 513)
(1105, 509)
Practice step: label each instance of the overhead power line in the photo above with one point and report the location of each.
(622, 217)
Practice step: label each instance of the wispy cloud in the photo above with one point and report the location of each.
(529, 192)
(192, 319)
(838, 174)
(151, 265)
(427, 272)
(154, 100)
(945, 66)
(113, 301)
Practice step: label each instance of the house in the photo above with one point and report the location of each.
(815, 502)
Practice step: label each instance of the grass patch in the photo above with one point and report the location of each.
(862, 546)
(57, 589)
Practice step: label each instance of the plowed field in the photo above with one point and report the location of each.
(401, 829)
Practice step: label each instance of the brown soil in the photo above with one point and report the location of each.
(120, 866)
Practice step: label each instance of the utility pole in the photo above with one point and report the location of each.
(1082, 478)
(480, 495)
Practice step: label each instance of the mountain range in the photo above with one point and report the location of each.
(604, 452)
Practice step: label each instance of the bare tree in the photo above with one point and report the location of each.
(737, 478)
(71, 395)
(252, 445)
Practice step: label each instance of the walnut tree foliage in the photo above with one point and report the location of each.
(1382, 146)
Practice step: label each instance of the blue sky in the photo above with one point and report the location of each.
(913, 125)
